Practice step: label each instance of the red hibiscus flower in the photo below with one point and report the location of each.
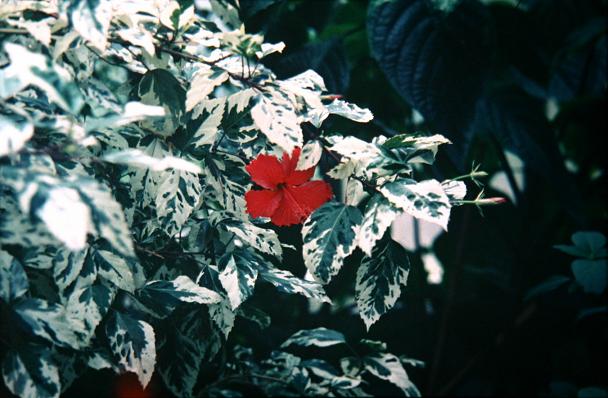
(288, 196)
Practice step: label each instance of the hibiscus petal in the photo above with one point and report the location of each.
(299, 201)
(266, 171)
(262, 203)
(295, 177)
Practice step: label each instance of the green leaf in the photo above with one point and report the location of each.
(178, 195)
(319, 337)
(91, 19)
(238, 273)
(286, 282)
(14, 135)
(379, 280)
(30, 372)
(591, 242)
(182, 351)
(49, 321)
(160, 87)
(133, 345)
(13, 279)
(162, 297)
(388, 367)
(329, 236)
(379, 215)
(425, 200)
(550, 284)
(592, 275)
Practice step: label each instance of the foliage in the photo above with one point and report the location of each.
(125, 244)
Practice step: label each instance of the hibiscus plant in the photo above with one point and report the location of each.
(147, 160)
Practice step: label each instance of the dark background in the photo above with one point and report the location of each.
(482, 75)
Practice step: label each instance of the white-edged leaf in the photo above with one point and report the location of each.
(133, 345)
(319, 337)
(310, 155)
(13, 279)
(379, 215)
(30, 372)
(114, 268)
(13, 135)
(379, 280)
(222, 316)
(425, 200)
(329, 236)
(133, 112)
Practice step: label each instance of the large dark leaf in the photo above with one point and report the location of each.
(437, 61)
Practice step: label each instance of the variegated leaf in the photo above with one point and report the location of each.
(179, 193)
(310, 156)
(329, 236)
(138, 158)
(238, 273)
(388, 367)
(182, 352)
(275, 116)
(86, 307)
(13, 279)
(222, 316)
(133, 345)
(160, 87)
(349, 111)
(91, 19)
(262, 239)
(286, 282)
(425, 200)
(114, 268)
(319, 337)
(379, 280)
(162, 297)
(48, 321)
(205, 80)
(31, 372)
(209, 129)
(14, 135)
(379, 215)
(107, 214)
